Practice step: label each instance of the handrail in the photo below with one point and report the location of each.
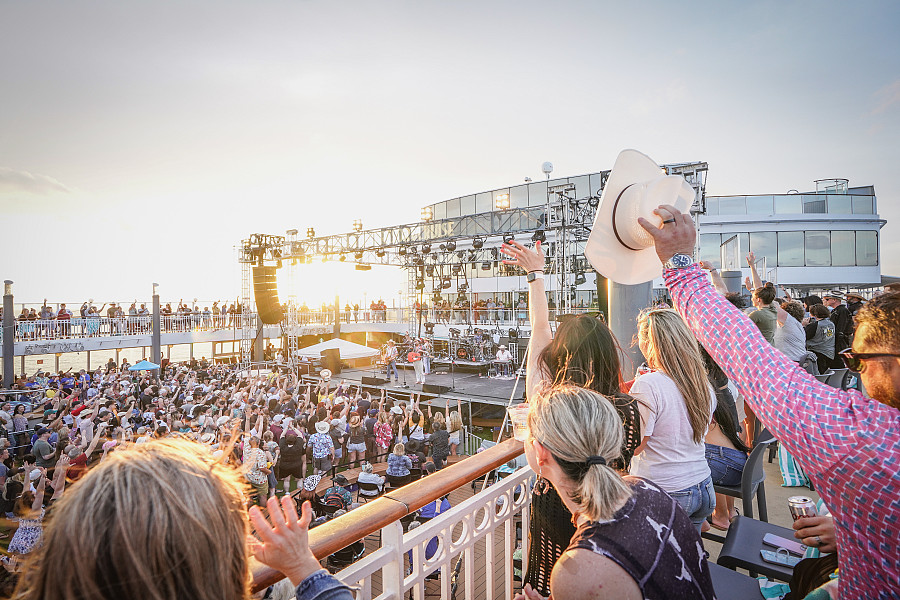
(330, 537)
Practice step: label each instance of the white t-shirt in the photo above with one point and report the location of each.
(671, 459)
(504, 356)
(790, 338)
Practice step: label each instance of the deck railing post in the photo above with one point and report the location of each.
(393, 573)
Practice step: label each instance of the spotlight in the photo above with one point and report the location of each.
(411, 250)
(357, 225)
(362, 267)
(539, 236)
(495, 252)
(593, 201)
(420, 285)
(455, 269)
(429, 270)
(513, 334)
(579, 278)
(429, 327)
(358, 255)
(486, 265)
(427, 213)
(342, 258)
(477, 243)
(445, 283)
(379, 253)
(462, 287)
(451, 246)
(426, 248)
(310, 232)
(501, 201)
(508, 238)
(401, 251)
(436, 296)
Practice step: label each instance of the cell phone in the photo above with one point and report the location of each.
(776, 541)
(780, 557)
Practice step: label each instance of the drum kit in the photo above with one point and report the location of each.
(474, 346)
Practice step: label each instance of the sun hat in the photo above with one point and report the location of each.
(837, 294)
(325, 374)
(397, 410)
(221, 421)
(323, 426)
(311, 483)
(856, 295)
(618, 247)
(340, 480)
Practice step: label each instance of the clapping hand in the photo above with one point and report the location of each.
(529, 260)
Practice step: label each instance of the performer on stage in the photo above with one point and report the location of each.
(504, 358)
(391, 360)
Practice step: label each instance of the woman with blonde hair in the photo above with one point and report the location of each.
(631, 539)
(454, 428)
(399, 463)
(166, 520)
(676, 404)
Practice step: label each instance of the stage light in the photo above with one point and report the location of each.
(310, 232)
(291, 232)
(420, 285)
(451, 246)
(379, 253)
(358, 255)
(593, 201)
(579, 278)
(486, 265)
(445, 283)
(427, 213)
(342, 258)
(501, 201)
(429, 328)
(361, 267)
(426, 248)
(477, 243)
(401, 251)
(513, 334)
(462, 287)
(436, 296)
(357, 225)
(495, 253)
(411, 250)
(455, 269)
(508, 238)
(539, 236)
(429, 270)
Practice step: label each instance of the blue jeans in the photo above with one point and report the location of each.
(725, 464)
(698, 501)
(393, 365)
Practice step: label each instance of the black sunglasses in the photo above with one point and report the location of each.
(854, 360)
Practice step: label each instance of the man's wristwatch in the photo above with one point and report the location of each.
(534, 275)
(679, 261)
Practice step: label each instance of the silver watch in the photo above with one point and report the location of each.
(679, 261)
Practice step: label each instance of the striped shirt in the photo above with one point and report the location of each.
(848, 445)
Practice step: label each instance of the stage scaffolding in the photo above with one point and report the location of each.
(437, 252)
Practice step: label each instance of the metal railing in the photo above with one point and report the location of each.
(480, 518)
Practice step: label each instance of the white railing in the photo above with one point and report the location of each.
(77, 327)
(492, 512)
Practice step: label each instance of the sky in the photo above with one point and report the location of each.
(140, 142)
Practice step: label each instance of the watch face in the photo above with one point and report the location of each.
(682, 260)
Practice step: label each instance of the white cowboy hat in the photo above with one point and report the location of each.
(618, 247)
(325, 374)
(323, 426)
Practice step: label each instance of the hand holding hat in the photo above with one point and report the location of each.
(675, 236)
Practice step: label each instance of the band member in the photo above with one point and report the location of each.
(504, 358)
(390, 360)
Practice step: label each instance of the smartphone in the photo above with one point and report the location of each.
(776, 541)
(781, 557)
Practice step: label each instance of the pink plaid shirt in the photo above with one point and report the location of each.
(848, 445)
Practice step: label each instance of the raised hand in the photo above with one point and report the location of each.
(675, 235)
(284, 545)
(529, 260)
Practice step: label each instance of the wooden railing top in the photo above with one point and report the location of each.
(330, 537)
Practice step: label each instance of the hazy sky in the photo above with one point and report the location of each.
(140, 141)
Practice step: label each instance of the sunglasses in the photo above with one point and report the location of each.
(854, 360)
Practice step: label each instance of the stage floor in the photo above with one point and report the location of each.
(466, 386)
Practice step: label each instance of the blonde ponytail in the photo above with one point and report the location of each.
(583, 431)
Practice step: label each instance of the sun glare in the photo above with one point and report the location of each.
(319, 283)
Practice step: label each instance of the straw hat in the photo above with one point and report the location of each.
(618, 247)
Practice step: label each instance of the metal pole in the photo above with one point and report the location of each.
(9, 336)
(625, 304)
(155, 336)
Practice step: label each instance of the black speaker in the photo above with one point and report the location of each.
(373, 380)
(430, 388)
(265, 289)
(331, 360)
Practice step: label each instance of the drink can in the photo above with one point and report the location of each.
(802, 506)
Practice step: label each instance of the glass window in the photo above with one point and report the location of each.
(537, 193)
(712, 206)
(732, 205)
(484, 202)
(518, 196)
(595, 184)
(863, 205)
(452, 208)
(439, 211)
(839, 204)
(759, 205)
(818, 248)
(709, 248)
(813, 203)
(790, 248)
(467, 205)
(843, 248)
(788, 204)
(763, 244)
(745, 246)
(582, 186)
(866, 248)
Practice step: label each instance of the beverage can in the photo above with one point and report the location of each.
(802, 506)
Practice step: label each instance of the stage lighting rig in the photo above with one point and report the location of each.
(451, 246)
(501, 201)
(310, 232)
(446, 284)
(358, 255)
(426, 248)
(580, 278)
(477, 243)
(539, 236)
(357, 225)
(427, 213)
(379, 253)
(342, 258)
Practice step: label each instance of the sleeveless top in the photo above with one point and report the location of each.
(664, 556)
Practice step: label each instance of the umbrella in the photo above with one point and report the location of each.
(144, 365)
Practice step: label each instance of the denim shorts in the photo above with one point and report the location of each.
(725, 464)
(698, 501)
(356, 447)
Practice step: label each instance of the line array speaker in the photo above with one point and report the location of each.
(265, 290)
